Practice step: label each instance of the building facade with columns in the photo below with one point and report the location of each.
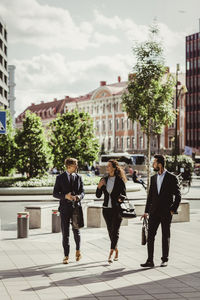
(115, 131)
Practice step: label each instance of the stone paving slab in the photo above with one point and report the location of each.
(32, 268)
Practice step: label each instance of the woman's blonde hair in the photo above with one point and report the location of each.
(118, 169)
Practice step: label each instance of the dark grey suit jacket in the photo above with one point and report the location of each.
(119, 188)
(169, 197)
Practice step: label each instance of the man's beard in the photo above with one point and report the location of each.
(156, 169)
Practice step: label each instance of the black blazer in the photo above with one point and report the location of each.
(118, 188)
(169, 197)
(62, 187)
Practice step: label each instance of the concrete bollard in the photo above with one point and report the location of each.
(56, 223)
(22, 224)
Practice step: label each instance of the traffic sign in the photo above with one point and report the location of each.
(2, 122)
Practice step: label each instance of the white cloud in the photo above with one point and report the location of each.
(48, 27)
(45, 77)
(139, 33)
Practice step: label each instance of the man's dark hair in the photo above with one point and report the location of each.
(70, 161)
(160, 159)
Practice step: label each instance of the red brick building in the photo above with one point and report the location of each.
(47, 111)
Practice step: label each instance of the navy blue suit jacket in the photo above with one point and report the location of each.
(62, 187)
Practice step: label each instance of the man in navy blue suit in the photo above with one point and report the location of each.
(68, 188)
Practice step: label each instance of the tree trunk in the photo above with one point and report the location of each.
(148, 156)
(158, 140)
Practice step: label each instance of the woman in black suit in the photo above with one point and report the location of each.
(113, 187)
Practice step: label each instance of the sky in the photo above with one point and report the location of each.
(66, 47)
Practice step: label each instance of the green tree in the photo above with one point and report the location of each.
(149, 96)
(33, 153)
(7, 148)
(72, 135)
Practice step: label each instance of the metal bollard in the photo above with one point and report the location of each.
(22, 224)
(56, 224)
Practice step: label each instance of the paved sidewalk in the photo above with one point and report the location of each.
(31, 268)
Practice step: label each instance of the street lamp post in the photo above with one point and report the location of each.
(178, 92)
(176, 146)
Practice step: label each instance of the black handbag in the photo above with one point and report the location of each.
(77, 216)
(144, 232)
(127, 210)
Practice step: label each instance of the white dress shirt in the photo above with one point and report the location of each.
(160, 178)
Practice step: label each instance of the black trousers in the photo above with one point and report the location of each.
(113, 221)
(65, 226)
(154, 221)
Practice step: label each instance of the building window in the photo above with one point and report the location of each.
(154, 142)
(109, 107)
(110, 124)
(97, 126)
(141, 142)
(116, 106)
(170, 142)
(128, 142)
(104, 108)
(117, 124)
(117, 143)
(104, 125)
(122, 143)
(133, 142)
(109, 143)
(172, 125)
(122, 123)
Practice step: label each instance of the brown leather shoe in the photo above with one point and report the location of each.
(78, 255)
(66, 260)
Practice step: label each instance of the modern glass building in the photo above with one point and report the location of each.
(193, 95)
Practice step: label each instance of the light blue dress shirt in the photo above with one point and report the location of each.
(160, 178)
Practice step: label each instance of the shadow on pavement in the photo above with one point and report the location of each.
(177, 287)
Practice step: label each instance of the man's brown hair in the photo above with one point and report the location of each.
(70, 161)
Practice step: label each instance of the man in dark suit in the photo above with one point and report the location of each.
(162, 202)
(68, 188)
